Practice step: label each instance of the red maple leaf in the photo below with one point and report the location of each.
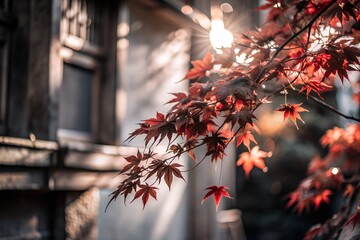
(316, 164)
(218, 193)
(189, 145)
(198, 128)
(178, 97)
(168, 171)
(355, 219)
(133, 161)
(296, 199)
(322, 197)
(302, 198)
(159, 127)
(333, 136)
(242, 118)
(200, 67)
(245, 137)
(292, 111)
(315, 86)
(253, 158)
(240, 88)
(215, 144)
(154, 121)
(314, 6)
(145, 191)
(141, 130)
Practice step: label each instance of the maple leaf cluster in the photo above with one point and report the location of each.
(334, 173)
(301, 49)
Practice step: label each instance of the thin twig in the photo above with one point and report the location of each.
(328, 106)
(292, 37)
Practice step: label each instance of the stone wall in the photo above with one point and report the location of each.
(81, 214)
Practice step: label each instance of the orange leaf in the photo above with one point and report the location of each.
(317, 163)
(245, 137)
(316, 86)
(200, 67)
(252, 158)
(292, 111)
(322, 197)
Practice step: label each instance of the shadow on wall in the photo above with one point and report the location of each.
(152, 57)
(162, 219)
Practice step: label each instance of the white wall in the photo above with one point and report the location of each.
(152, 57)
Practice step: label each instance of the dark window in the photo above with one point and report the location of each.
(3, 58)
(81, 33)
(4, 45)
(75, 99)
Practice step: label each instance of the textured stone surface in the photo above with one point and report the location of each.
(81, 215)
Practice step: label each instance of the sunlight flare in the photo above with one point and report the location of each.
(219, 36)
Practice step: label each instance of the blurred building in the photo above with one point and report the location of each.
(75, 78)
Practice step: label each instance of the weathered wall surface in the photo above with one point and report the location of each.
(152, 57)
(81, 215)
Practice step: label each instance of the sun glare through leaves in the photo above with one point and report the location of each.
(303, 49)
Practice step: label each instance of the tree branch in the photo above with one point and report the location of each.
(328, 106)
(292, 37)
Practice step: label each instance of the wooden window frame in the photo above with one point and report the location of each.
(82, 59)
(80, 52)
(3, 82)
(6, 25)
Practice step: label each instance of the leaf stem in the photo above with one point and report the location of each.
(220, 175)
